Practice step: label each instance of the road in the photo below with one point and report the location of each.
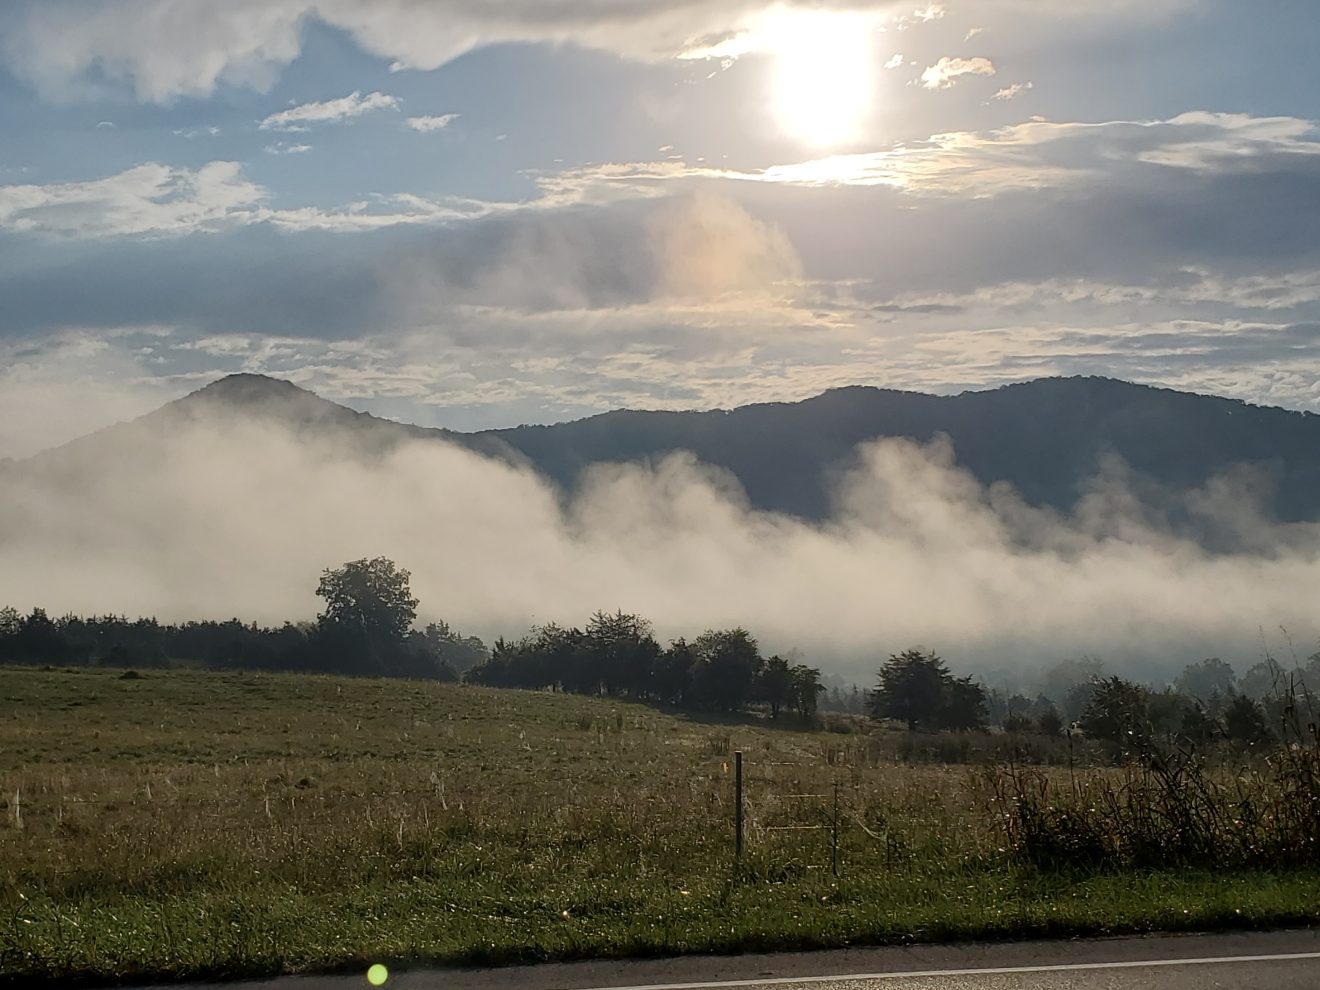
(1260, 961)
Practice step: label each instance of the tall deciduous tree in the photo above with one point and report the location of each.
(372, 595)
(369, 609)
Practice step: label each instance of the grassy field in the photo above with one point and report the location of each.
(196, 824)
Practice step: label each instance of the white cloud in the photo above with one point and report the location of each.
(154, 200)
(946, 72)
(1036, 154)
(72, 48)
(329, 111)
(895, 62)
(195, 132)
(280, 148)
(426, 124)
(149, 199)
(1009, 92)
(70, 384)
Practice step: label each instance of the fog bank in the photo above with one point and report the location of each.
(213, 521)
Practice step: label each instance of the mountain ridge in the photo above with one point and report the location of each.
(1047, 437)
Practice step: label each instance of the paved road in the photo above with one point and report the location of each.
(1262, 961)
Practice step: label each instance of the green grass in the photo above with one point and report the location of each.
(192, 824)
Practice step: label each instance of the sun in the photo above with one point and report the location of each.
(825, 75)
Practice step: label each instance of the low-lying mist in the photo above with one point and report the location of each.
(239, 519)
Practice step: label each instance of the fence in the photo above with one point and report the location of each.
(775, 807)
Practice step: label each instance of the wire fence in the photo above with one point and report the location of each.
(793, 811)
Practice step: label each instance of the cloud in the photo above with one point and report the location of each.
(1011, 91)
(426, 124)
(297, 118)
(195, 132)
(895, 62)
(700, 246)
(280, 148)
(154, 200)
(1035, 154)
(148, 199)
(937, 265)
(915, 552)
(946, 72)
(70, 384)
(75, 48)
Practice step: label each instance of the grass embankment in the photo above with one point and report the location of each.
(190, 824)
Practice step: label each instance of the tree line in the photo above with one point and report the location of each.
(1206, 704)
(618, 656)
(366, 628)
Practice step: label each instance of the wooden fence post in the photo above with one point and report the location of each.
(737, 806)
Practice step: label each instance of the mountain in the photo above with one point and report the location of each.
(1045, 437)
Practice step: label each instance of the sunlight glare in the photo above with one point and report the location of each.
(825, 76)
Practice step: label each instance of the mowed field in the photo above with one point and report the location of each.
(187, 824)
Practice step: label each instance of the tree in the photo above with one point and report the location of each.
(963, 709)
(369, 609)
(38, 639)
(1264, 679)
(774, 685)
(674, 670)
(1050, 723)
(807, 689)
(458, 652)
(1205, 680)
(728, 661)
(1117, 713)
(1197, 726)
(1244, 721)
(1017, 723)
(911, 689)
(372, 595)
(621, 652)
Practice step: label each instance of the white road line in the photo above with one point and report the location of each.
(989, 971)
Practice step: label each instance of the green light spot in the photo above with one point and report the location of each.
(377, 975)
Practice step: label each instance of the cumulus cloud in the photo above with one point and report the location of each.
(298, 118)
(916, 552)
(427, 124)
(947, 71)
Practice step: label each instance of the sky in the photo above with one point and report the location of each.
(478, 214)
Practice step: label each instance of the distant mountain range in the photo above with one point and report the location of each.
(1046, 437)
